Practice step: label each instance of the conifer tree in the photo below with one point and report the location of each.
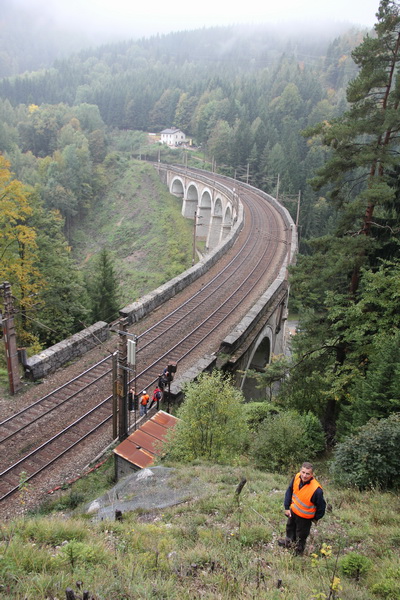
(364, 142)
(104, 289)
(362, 187)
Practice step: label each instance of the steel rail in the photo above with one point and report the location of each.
(50, 441)
(50, 394)
(56, 405)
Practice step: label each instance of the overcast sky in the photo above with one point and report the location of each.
(137, 18)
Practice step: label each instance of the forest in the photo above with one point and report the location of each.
(310, 117)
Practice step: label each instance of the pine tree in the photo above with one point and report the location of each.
(364, 141)
(105, 289)
(362, 187)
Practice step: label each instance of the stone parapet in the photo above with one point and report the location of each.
(51, 359)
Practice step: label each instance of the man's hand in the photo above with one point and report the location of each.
(288, 513)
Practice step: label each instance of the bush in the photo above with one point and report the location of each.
(256, 412)
(353, 565)
(78, 553)
(388, 587)
(212, 426)
(286, 439)
(370, 458)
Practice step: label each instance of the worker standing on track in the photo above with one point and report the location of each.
(144, 400)
(157, 397)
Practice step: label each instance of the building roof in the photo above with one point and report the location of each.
(144, 444)
(171, 131)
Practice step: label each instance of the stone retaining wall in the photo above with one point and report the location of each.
(51, 359)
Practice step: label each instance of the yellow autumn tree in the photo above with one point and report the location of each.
(18, 249)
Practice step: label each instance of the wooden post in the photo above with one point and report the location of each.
(240, 486)
(10, 340)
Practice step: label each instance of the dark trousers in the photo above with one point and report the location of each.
(297, 531)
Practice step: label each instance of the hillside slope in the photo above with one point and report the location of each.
(140, 222)
(213, 545)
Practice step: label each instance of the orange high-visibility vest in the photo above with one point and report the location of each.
(145, 399)
(301, 498)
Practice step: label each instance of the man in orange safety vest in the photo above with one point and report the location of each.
(304, 504)
(144, 400)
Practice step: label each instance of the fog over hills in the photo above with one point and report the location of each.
(33, 33)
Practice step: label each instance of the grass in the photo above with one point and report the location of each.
(212, 547)
(82, 491)
(3, 376)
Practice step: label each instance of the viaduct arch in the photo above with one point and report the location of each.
(213, 210)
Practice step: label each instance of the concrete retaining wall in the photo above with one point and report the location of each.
(51, 359)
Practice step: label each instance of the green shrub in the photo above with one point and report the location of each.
(389, 585)
(370, 458)
(78, 553)
(68, 501)
(286, 439)
(211, 426)
(353, 565)
(256, 412)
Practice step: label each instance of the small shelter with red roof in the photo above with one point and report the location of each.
(143, 445)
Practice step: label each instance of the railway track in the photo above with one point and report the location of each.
(33, 439)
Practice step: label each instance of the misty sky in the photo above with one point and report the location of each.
(137, 18)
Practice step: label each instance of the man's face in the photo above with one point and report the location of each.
(306, 474)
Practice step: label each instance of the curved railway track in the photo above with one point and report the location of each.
(60, 420)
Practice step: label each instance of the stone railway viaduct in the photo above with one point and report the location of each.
(216, 210)
(213, 203)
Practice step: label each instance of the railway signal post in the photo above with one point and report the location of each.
(171, 370)
(131, 354)
(122, 381)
